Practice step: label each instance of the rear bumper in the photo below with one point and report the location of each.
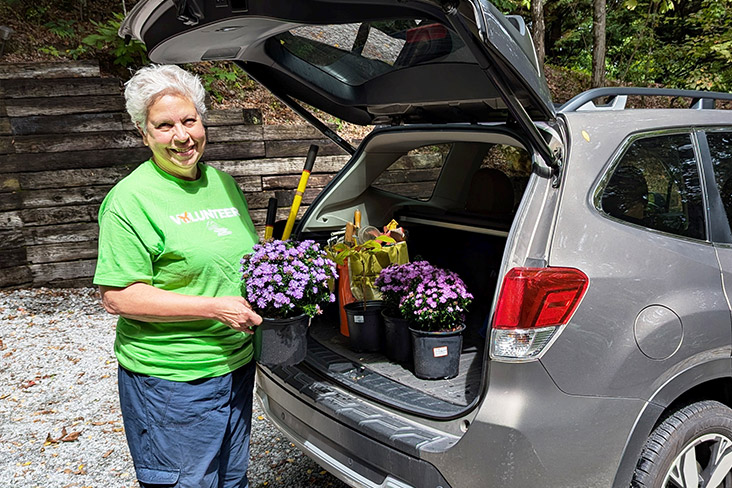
(526, 432)
(354, 458)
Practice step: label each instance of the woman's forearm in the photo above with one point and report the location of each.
(140, 301)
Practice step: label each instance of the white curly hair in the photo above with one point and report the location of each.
(150, 83)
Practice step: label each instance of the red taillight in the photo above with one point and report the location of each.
(424, 33)
(539, 297)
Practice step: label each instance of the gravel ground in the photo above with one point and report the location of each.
(60, 424)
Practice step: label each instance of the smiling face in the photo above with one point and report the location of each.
(176, 135)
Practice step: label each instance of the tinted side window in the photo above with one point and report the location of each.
(720, 147)
(656, 185)
(414, 174)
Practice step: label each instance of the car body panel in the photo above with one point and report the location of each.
(601, 335)
(716, 372)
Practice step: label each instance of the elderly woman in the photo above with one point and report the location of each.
(171, 237)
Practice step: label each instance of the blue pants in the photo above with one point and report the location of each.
(189, 434)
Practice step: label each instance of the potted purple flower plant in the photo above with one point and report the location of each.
(437, 301)
(287, 283)
(394, 284)
(435, 306)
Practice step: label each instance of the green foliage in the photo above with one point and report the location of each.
(216, 76)
(219, 74)
(106, 40)
(42, 12)
(684, 44)
(709, 43)
(50, 50)
(663, 5)
(35, 12)
(509, 6)
(687, 46)
(223, 79)
(61, 28)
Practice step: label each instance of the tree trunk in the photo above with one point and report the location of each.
(537, 28)
(598, 45)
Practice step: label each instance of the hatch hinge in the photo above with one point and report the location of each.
(449, 6)
(302, 112)
(555, 142)
(190, 12)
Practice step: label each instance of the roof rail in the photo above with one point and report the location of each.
(619, 96)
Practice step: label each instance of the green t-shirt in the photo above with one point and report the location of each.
(183, 236)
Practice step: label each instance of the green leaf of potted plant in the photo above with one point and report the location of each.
(365, 261)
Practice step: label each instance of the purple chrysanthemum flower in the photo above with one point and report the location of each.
(432, 298)
(287, 278)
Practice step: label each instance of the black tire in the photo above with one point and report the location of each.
(707, 426)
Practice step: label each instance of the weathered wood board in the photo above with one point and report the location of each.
(59, 87)
(24, 107)
(32, 162)
(64, 69)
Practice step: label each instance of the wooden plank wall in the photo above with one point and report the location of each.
(65, 139)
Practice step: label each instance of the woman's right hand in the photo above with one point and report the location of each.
(236, 313)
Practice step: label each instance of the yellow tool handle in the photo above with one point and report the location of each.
(312, 153)
(357, 219)
(270, 220)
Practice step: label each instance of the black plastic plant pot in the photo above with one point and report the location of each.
(365, 326)
(437, 354)
(397, 339)
(281, 342)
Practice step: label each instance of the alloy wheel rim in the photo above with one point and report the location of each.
(705, 462)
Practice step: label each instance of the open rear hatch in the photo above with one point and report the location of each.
(366, 62)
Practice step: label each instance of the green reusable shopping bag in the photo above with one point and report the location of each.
(365, 265)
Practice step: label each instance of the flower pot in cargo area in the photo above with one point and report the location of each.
(365, 326)
(437, 354)
(281, 342)
(397, 339)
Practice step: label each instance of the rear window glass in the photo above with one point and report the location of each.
(355, 53)
(657, 185)
(414, 174)
(720, 147)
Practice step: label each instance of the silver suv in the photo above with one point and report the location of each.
(595, 238)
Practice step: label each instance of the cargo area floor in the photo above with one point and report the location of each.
(374, 374)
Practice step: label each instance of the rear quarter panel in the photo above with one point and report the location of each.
(630, 268)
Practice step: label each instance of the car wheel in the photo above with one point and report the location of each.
(692, 448)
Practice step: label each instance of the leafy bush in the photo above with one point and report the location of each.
(223, 79)
(61, 28)
(106, 40)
